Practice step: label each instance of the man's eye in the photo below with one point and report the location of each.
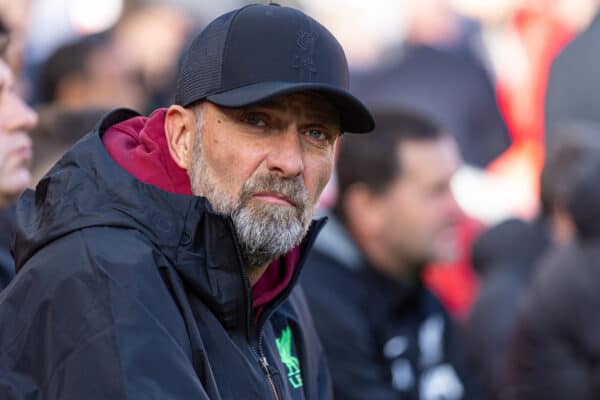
(316, 134)
(254, 121)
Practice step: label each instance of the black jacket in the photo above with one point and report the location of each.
(125, 291)
(504, 257)
(383, 339)
(449, 86)
(556, 345)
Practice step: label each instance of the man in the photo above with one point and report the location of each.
(554, 343)
(16, 118)
(384, 333)
(508, 255)
(130, 287)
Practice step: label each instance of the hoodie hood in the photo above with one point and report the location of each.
(139, 146)
(122, 175)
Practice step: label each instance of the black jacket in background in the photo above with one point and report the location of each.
(504, 257)
(7, 268)
(556, 345)
(383, 339)
(125, 291)
(573, 91)
(450, 86)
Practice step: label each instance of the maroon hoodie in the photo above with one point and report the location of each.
(139, 146)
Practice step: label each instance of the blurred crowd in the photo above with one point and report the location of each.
(493, 255)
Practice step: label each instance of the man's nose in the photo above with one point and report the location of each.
(286, 155)
(21, 117)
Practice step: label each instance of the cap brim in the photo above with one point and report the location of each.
(354, 115)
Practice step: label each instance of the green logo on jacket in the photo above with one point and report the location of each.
(284, 346)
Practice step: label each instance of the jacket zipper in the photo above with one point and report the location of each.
(258, 351)
(264, 363)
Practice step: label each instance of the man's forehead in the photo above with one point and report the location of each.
(310, 103)
(429, 157)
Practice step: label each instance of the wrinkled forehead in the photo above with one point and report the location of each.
(308, 103)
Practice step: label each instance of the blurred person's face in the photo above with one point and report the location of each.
(16, 119)
(153, 38)
(109, 81)
(113, 81)
(418, 211)
(264, 165)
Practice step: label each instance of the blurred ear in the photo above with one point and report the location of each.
(562, 225)
(363, 209)
(180, 131)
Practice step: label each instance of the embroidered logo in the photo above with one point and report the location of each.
(284, 346)
(303, 58)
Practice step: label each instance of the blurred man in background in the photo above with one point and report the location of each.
(16, 119)
(91, 71)
(385, 335)
(506, 256)
(556, 342)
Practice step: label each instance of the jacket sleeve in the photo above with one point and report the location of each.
(79, 322)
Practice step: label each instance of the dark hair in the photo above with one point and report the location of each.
(68, 60)
(566, 163)
(372, 159)
(583, 202)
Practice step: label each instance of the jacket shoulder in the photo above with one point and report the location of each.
(92, 297)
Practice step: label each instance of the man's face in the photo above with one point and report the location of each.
(420, 212)
(16, 118)
(266, 166)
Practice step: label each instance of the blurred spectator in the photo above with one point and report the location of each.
(57, 130)
(573, 92)
(154, 37)
(15, 15)
(16, 118)
(557, 339)
(90, 72)
(385, 335)
(436, 73)
(505, 256)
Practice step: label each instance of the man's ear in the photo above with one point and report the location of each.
(180, 130)
(363, 209)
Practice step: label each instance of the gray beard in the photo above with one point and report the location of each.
(264, 231)
(267, 231)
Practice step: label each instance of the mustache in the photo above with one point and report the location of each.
(292, 189)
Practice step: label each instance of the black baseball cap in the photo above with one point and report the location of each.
(258, 52)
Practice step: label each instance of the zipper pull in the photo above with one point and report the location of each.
(264, 363)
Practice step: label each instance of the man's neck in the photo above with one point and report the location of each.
(255, 273)
(387, 263)
(393, 267)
